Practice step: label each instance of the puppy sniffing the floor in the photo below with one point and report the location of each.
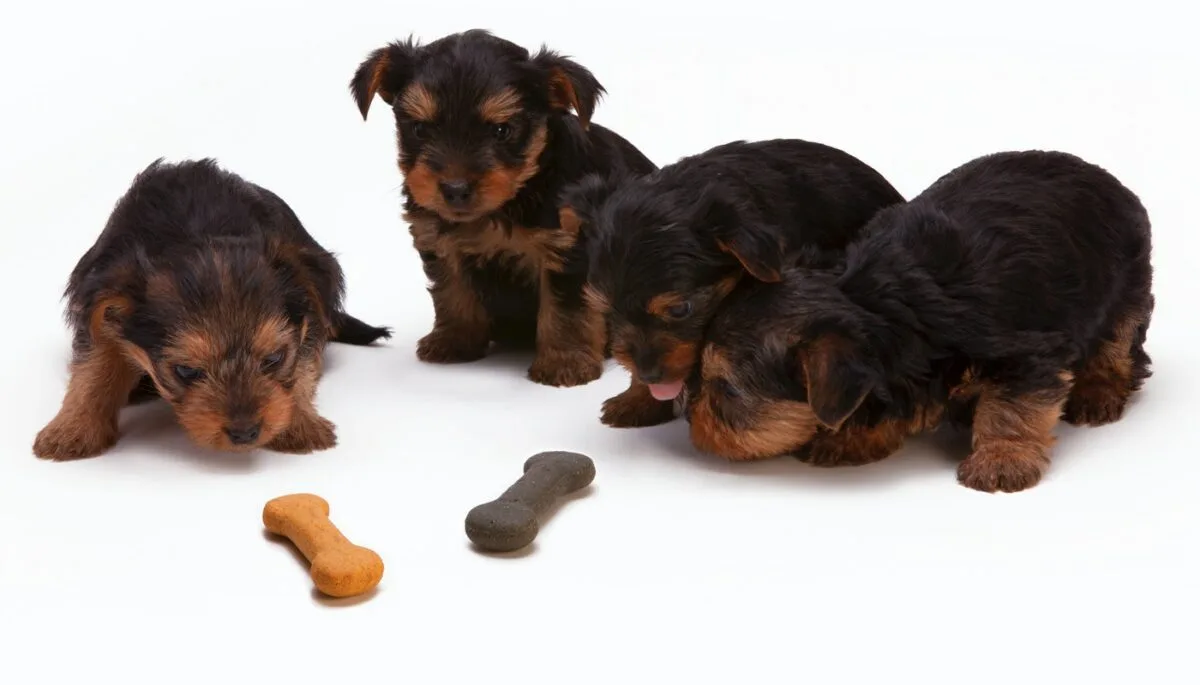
(488, 136)
(669, 246)
(1014, 291)
(206, 290)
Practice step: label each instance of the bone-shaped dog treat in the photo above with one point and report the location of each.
(339, 568)
(510, 521)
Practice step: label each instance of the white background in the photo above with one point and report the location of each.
(149, 565)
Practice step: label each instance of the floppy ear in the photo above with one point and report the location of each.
(385, 72)
(570, 85)
(757, 247)
(838, 380)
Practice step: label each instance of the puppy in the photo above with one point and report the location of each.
(487, 141)
(206, 290)
(1014, 291)
(670, 245)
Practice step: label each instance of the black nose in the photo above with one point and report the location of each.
(456, 193)
(649, 372)
(243, 433)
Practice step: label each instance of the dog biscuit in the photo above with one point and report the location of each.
(339, 568)
(510, 522)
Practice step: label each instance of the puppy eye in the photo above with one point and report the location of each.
(188, 374)
(679, 311)
(420, 130)
(272, 361)
(501, 132)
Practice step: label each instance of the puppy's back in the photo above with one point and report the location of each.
(1039, 240)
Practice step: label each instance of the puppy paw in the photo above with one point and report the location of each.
(565, 369)
(1094, 404)
(307, 433)
(1003, 468)
(447, 346)
(635, 408)
(64, 439)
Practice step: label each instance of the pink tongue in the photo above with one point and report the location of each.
(666, 391)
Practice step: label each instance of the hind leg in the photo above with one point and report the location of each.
(1012, 436)
(1107, 379)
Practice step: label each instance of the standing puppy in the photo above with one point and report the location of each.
(669, 246)
(487, 141)
(1015, 290)
(206, 290)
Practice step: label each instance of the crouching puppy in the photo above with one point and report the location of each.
(669, 246)
(488, 136)
(1014, 291)
(206, 290)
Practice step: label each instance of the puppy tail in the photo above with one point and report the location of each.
(351, 331)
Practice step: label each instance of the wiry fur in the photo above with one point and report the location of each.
(670, 245)
(488, 135)
(201, 273)
(1013, 291)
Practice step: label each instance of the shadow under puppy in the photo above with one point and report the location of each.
(1014, 291)
(487, 140)
(206, 290)
(667, 247)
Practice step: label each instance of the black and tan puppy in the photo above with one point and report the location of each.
(206, 290)
(488, 136)
(1014, 291)
(669, 246)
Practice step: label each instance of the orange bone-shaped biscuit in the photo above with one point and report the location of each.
(339, 568)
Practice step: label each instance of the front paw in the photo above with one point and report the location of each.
(635, 408)
(65, 439)
(306, 434)
(448, 346)
(1003, 467)
(565, 370)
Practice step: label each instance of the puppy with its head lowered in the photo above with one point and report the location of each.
(667, 247)
(1014, 291)
(206, 290)
(489, 134)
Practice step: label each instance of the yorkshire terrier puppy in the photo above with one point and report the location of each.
(488, 136)
(203, 289)
(670, 245)
(1014, 291)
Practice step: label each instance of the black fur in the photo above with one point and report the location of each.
(178, 219)
(459, 72)
(1014, 267)
(742, 208)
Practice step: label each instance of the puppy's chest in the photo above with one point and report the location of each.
(520, 249)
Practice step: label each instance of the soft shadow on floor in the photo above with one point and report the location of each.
(545, 521)
(153, 427)
(936, 452)
(317, 596)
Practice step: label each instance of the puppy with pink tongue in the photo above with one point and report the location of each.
(665, 249)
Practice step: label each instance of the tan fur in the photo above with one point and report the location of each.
(86, 424)
(418, 103)
(779, 427)
(1012, 438)
(570, 345)
(635, 408)
(500, 107)
(307, 431)
(1104, 384)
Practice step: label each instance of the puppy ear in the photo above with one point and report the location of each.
(837, 378)
(570, 85)
(385, 72)
(757, 247)
(580, 201)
